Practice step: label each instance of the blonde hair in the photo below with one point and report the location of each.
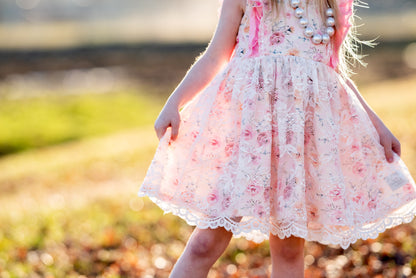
(350, 49)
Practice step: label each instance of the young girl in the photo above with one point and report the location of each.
(267, 138)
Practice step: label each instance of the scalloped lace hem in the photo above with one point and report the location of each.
(258, 231)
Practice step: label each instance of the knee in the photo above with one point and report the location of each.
(288, 249)
(291, 253)
(205, 244)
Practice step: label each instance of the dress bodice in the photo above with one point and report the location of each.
(262, 32)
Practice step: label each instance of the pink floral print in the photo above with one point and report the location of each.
(277, 38)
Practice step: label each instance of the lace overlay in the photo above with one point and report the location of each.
(278, 143)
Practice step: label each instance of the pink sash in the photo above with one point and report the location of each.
(255, 18)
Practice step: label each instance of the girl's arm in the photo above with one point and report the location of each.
(387, 139)
(207, 66)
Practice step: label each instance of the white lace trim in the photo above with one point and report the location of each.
(257, 230)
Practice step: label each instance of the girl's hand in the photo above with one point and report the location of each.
(387, 139)
(169, 116)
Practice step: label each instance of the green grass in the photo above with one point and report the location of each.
(47, 120)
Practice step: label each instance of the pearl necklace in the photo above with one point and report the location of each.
(309, 32)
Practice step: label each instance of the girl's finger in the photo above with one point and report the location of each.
(175, 129)
(396, 147)
(388, 151)
(159, 134)
(160, 131)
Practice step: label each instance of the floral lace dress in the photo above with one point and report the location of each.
(278, 143)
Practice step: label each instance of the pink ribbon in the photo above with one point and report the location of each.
(345, 12)
(255, 18)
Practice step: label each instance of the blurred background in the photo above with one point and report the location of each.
(81, 84)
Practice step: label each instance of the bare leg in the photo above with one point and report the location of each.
(203, 249)
(287, 256)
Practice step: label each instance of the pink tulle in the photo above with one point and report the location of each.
(255, 18)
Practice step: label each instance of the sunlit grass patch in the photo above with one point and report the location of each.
(46, 120)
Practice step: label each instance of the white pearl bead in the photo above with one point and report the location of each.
(295, 3)
(308, 32)
(298, 12)
(329, 12)
(326, 38)
(304, 22)
(317, 39)
(330, 21)
(330, 31)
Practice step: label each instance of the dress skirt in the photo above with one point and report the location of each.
(280, 144)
